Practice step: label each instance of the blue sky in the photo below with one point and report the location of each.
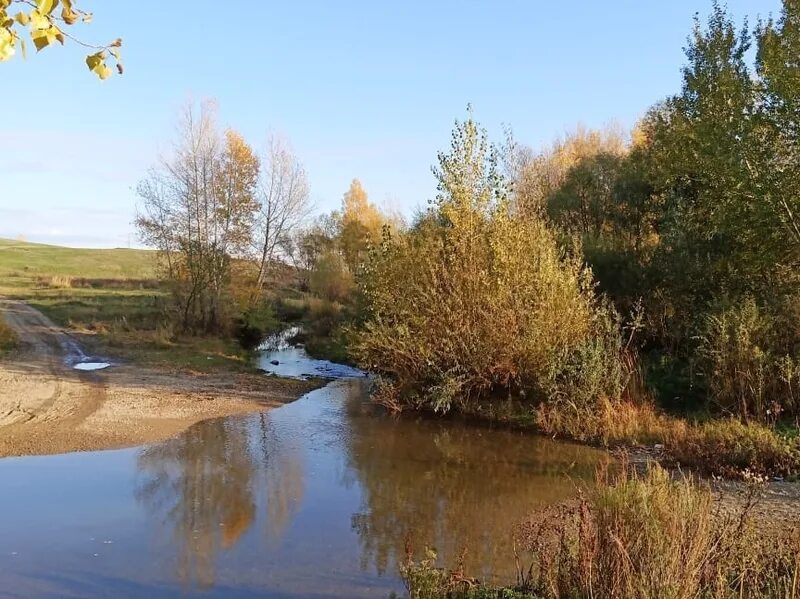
(361, 89)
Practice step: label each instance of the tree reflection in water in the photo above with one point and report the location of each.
(205, 484)
(447, 484)
(453, 486)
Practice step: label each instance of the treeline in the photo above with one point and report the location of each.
(698, 219)
(582, 280)
(579, 289)
(239, 249)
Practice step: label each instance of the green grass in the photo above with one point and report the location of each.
(20, 259)
(111, 300)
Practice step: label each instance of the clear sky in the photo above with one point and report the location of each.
(361, 89)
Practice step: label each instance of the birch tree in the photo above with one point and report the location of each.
(198, 207)
(283, 205)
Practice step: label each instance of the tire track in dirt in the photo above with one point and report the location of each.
(48, 407)
(48, 349)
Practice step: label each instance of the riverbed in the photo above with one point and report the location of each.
(317, 498)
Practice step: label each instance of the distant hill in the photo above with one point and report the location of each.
(24, 259)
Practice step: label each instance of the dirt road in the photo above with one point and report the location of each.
(48, 407)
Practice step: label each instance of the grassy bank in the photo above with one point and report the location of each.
(635, 536)
(112, 300)
(712, 446)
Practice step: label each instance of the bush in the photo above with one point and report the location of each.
(330, 279)
(424, 580)
(747, 372)
(474, 302)
(253, 325)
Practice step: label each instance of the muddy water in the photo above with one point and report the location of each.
(313, 499)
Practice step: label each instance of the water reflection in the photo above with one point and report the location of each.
(333, 458)
(452, 486)
(200, 486)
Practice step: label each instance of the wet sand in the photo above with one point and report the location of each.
(48, 407)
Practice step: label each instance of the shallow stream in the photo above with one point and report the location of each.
(312, 499)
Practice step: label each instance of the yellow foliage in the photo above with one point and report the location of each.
(473, 302)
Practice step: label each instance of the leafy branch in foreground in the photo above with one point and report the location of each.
(47, 25)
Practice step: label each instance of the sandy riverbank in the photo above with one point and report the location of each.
(47, 407)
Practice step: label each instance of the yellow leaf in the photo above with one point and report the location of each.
(46, 6)
(44, 37)
(39, 20)
(97, 64)
(93, 60)
(40, 39)
(6, 45)
(103, 71)
(21, 18)
(69, 16)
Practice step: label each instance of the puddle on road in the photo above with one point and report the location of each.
(91, 365)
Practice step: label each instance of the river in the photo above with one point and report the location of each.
(313, 499)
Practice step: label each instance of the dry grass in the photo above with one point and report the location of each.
(637, 536)
(60, 282)
(724, 447)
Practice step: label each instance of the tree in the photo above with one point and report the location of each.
(536, 176)
(779, 77)
(198, 209)
(476, 303)
(47, 25)
(284, 204)
(361, 224)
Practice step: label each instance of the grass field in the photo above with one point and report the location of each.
(111, 300)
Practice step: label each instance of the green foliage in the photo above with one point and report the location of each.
(254, 324)
(330, 278)
(46, 24)
(698, 218)
(744, 377)
(424, 580)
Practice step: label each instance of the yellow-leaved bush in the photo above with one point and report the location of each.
(474, 302)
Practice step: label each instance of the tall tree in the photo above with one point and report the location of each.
(198, 206)
(361, 224)
(284, 204)
(779, 76)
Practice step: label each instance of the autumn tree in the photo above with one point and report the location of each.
(198, 207)
(284, 204)
(536, 176)
(361, 223)
(476, 303)
(48, 22)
